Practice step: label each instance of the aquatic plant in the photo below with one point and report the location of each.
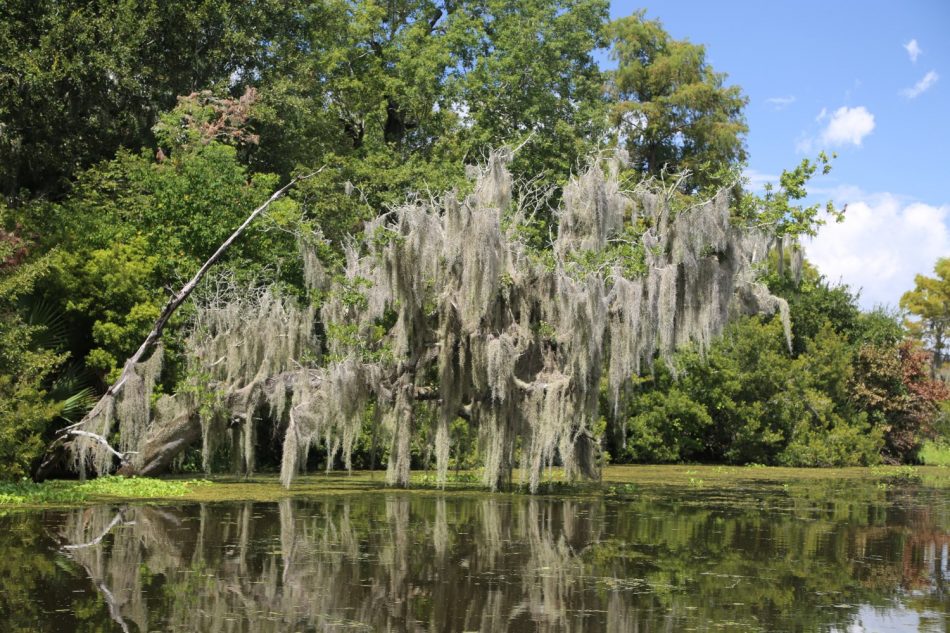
(27, 493)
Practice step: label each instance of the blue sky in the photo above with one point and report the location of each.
(868, 80)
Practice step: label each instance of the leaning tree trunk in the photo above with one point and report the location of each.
(55, 459)
(780, 251)
(160, 449)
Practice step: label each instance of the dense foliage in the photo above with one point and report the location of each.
(670, 108)
(78, 80)
(851, 392)
(26, 366)
(135, 136)
(929, 301)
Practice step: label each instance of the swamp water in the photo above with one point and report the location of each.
(822, 556)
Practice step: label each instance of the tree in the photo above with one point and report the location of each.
(930, 301)
(25, 368)
(813, 302)
(398, 97)
(748, 400)
(361, 79)
(79, 80)
(441, 304)
(780, 209)
(525, 73)
(134, 226)
(670, 109)
(893, 385)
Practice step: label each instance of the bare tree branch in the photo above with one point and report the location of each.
(118, 519)
(105, 443)
(177, 300)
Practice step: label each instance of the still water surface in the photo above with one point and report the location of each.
(817, 557)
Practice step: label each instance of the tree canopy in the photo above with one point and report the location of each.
(670, 108)
(135, 136)
(78, 80)
(930, 302)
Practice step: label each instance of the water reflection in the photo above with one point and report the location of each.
(756, 560)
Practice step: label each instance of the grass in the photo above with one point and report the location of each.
(935, 453)
(617, 481)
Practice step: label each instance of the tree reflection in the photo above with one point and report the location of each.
(491, 563)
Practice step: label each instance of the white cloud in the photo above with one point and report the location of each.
(854, 87)
(757, 179)
(804, 145)
(848, 126)
(913, 50)
(883, 242)
(780, 103)
(921, 86)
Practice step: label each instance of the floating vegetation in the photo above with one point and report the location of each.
(60, 492)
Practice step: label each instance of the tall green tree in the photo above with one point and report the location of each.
(525, 72)
(670, 109)
(930, 302)
(78, 79)
(396, 97)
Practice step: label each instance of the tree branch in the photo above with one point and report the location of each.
(176, 301)
(119, 518)
(103, 441)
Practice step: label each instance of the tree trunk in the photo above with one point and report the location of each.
(780, 251)
(56, 452)
(164, 446)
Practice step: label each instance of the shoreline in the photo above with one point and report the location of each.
(617, 480)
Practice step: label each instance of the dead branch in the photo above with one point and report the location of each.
(117, 520)
(177, 300)
(105, 443)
